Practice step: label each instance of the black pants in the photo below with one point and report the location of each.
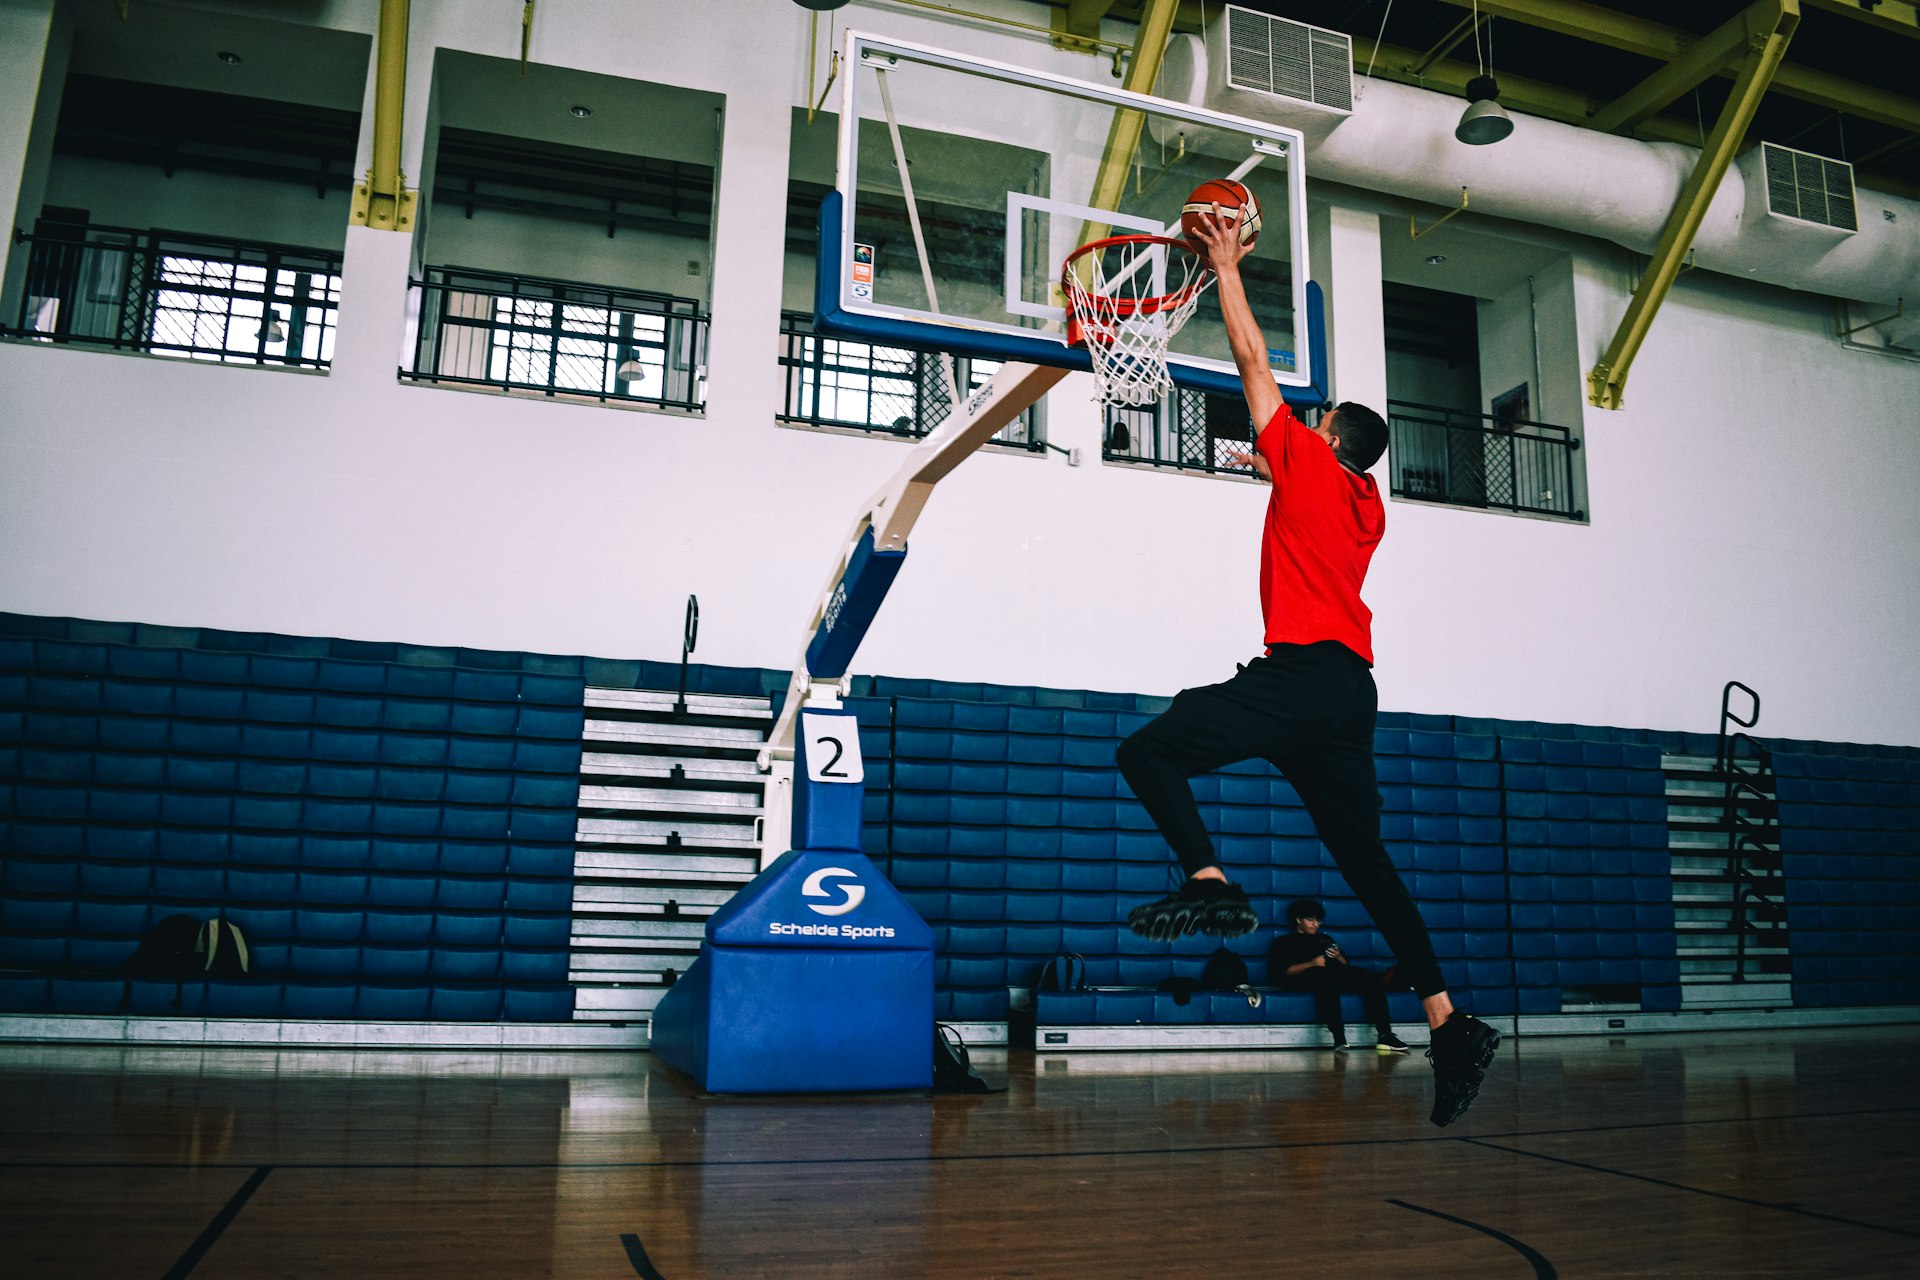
(1309, 709)
(1327, 985)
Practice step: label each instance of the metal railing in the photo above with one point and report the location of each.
(1754, 913)
(1479, 460)
(1188, 430)
(174, 293)
(834, 382)
(559, 338)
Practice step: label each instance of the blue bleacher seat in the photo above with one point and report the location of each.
(319, 961)
(463, 929)
(189, 886)
(84, 995)
(332, 888)
(527, 966)
(538, 1004)
(394, 1002)
(305, 999)
(457, 1004)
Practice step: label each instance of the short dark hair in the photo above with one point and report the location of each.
(1306, 909)
(1362, 435)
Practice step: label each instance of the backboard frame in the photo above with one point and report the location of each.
(839, 312)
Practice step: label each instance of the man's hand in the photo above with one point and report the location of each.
(1333, 953)
(1218, 242)
(1245, 458)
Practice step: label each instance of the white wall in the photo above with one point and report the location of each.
(1752, 512)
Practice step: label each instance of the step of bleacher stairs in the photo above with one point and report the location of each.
(669, 829)
(1736, 995)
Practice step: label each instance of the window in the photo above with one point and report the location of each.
(560, 337)
(202, 298)
(1187, 430)
(834, 382)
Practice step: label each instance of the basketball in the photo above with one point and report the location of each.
(1232, 197)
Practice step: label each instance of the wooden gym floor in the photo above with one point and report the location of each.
(1737, 1154)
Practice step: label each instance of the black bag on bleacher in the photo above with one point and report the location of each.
(168, 952)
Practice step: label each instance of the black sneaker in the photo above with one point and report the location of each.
(1461, 1052)
(1341, 1046)
(1390, 1043)
(1217, 907)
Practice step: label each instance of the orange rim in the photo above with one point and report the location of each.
(1110, 309)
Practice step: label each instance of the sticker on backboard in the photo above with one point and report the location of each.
(833, 748)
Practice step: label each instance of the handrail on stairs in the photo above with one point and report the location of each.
(687, 641)
(1738, 778)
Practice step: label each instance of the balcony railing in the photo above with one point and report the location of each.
(174, 293)
(1479, 460)
(1187, 430)
(560, 338)
(894, 391)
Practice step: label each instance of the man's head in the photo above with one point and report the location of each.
(1306, 914)
(1357, 434)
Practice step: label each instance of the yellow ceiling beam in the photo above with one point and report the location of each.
(1654, 40)
(1606, 383)
(1123, 135)
(1895, 17)
(1705, 58)
(381, 200)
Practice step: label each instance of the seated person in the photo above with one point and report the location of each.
(1309, 960)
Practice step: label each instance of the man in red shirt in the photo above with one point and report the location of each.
(1307, 704)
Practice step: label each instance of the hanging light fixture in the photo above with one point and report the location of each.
(271, 330)
(1485, 120)
(630, 370)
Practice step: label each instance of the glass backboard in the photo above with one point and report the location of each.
(963, 184)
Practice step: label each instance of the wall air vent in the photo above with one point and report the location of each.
(1809, 188)
(1264, 54)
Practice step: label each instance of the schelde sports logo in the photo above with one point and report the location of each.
(822, 884)
(816, 887)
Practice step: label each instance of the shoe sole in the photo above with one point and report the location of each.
(1475, 1073)
(1216, 919)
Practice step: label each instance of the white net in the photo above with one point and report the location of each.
(1127, 297)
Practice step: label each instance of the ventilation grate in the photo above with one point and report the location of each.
(1809, 188)
(1289, 59)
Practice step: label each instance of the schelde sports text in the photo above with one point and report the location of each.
(782, 930)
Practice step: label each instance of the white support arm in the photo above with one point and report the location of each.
(892, 510)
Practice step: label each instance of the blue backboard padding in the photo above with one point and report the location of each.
(856, 598)
(831, 319)
(775, 911)
(826, 815)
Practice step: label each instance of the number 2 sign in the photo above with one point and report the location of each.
(833, 748)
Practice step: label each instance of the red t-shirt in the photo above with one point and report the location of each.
(1323, 522)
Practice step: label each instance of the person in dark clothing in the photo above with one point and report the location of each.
(1305, 959)
(1308, 703)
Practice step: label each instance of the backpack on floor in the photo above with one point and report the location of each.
(1064, 974)
(952, 1069)
(169, 952)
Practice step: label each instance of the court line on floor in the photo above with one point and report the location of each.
(1094, 1154)
(222, 1220)
(1542, 1269)
(1699, 1191)
(637, 1255)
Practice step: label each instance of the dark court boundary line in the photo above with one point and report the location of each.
(955, 1157)
(222, 1220)
(637, 1255)
(1542, 1269)
(1698, 1191)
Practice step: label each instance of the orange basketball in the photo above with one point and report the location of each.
(1235, 202)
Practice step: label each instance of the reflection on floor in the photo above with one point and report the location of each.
(1722, 1155)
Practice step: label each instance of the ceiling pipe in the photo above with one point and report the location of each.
(1399, 141)
(382, 200)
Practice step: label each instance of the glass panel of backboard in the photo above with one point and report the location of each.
(966, 183)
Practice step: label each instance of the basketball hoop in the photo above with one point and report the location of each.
(1140, 290)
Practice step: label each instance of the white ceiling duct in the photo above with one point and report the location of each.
(1399, 140)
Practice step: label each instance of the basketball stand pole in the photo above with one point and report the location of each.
(870, 555)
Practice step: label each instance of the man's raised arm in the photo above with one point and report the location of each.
(1217, 240)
